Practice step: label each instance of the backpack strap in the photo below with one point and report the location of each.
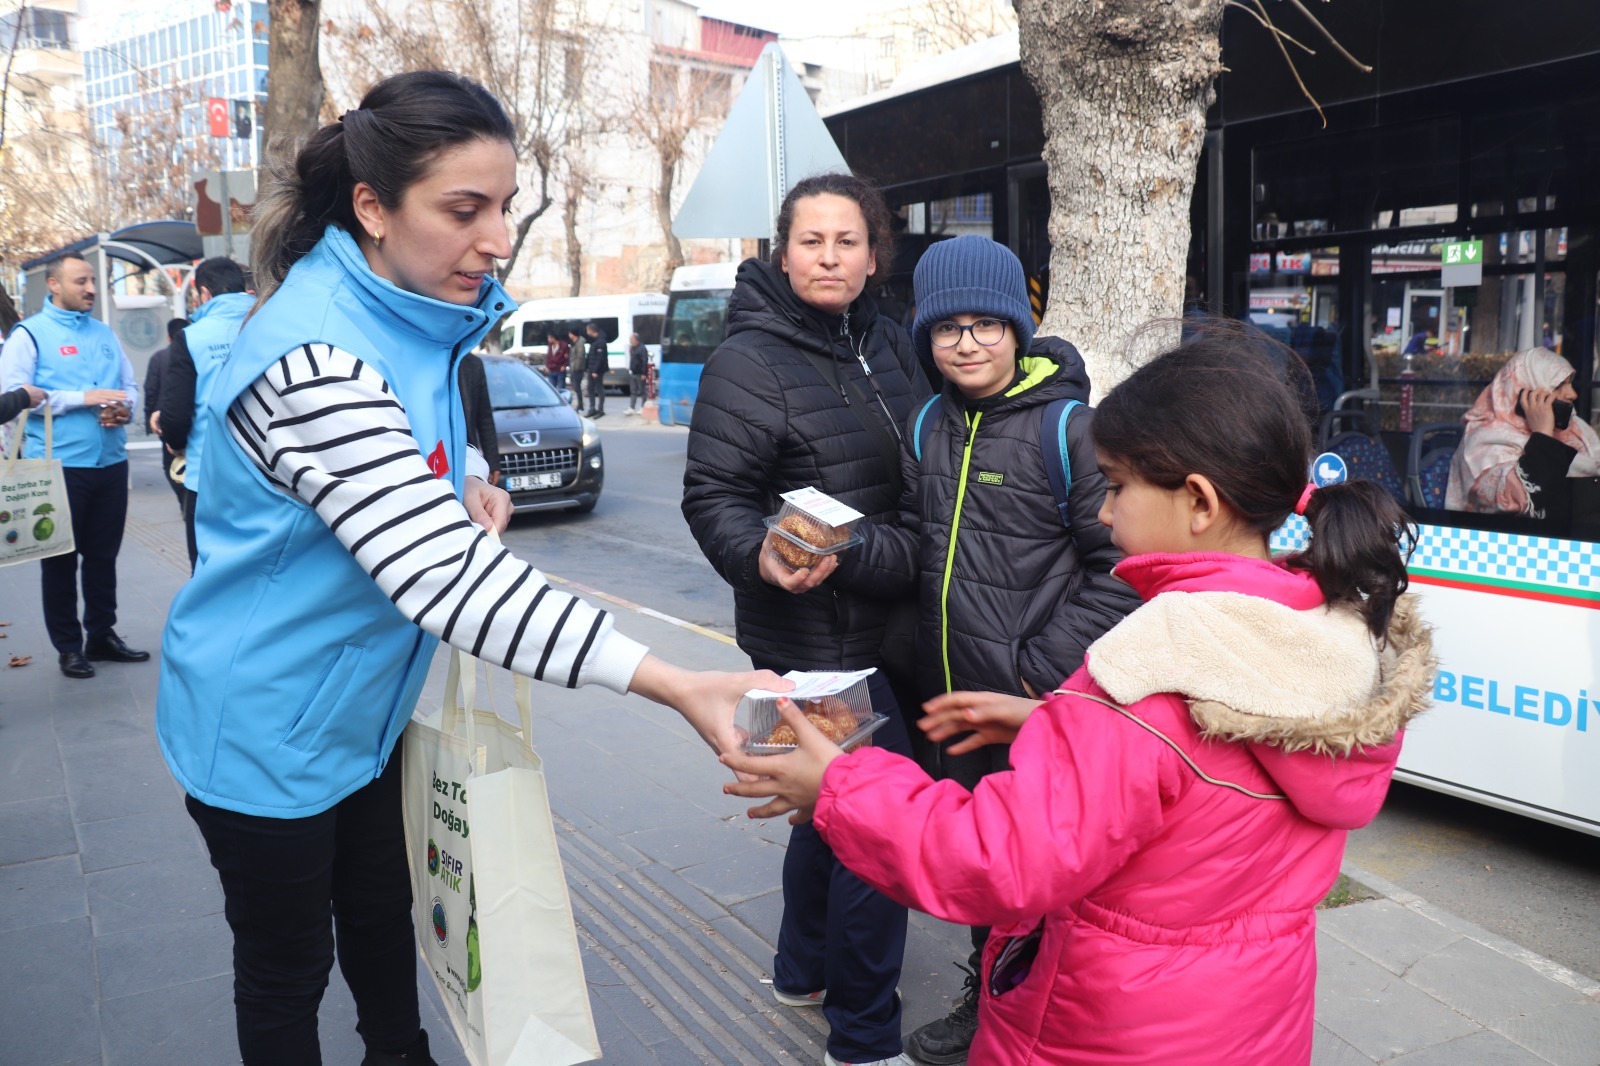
(920, 431)
(1053, 446)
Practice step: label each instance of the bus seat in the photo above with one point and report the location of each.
(1347, 418)
(1368, 460)
(1428, 456)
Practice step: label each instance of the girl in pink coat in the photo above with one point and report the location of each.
(1173, 814)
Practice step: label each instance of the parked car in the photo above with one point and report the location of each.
(550, 456)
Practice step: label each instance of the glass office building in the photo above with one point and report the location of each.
(176, 68)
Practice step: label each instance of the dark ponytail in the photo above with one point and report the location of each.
(389, 142)
(1234, 405)
(1360, 539)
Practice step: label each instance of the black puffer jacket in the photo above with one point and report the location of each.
(1024, 598)
(766, 421)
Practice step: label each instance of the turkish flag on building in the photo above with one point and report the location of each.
(219, 116)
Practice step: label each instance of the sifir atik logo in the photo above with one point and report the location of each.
(437, 461)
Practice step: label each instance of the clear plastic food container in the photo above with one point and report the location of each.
(811, 524)
(836, 703)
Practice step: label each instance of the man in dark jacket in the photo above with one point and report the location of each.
(154, 375)
(595, 364)
(575, 370)
(638, 374)
(479, 409)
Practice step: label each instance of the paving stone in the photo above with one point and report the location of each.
(36, 829)
(1486, 985)
(50, 1013)
(762, 914)
(679, 847)
(30, 764)
(749, 873)
(160, 956)
(140, 838)
(1566, 1035)
(1384, 931)
(152, 893)
(1329, 1050)
(1477, 1049)
(41, 892)
(113, 780)
(1375, 1011)
(187, 1023)
(110, 725)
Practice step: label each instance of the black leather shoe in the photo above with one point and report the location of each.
(73, 664)
(110, 648)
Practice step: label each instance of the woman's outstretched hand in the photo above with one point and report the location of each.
(793, 780)
(486, 505)
(991, 718)
(707, 699)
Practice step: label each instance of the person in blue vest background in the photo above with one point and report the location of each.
(197, 354)
(75, 357)
(344, 528)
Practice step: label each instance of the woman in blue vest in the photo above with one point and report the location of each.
(339, 532)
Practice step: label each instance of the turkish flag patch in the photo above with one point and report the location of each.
(69, 349)
(437, 461)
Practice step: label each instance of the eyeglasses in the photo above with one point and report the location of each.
(986, 331)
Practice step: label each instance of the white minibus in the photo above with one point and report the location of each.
(523, 334)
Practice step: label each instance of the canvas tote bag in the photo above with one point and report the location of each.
(35, 520)
(494, 920)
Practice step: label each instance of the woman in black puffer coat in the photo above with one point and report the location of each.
(811, 389)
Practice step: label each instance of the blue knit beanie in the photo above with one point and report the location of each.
(975, 276)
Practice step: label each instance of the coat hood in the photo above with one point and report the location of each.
(763, 300)
(1261, 660)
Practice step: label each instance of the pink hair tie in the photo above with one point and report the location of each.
(1305, 497)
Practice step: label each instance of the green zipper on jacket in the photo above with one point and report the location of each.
(950, 552)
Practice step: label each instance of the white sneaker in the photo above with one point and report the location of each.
(898, 1060)
(790, 999)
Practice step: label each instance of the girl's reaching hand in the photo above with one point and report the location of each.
(990, 718)
(793, 780)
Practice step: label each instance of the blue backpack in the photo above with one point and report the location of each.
(1052, 445)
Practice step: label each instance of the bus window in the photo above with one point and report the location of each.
(648, 327)
(696, 323)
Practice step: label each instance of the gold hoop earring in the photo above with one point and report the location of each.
(377, 239)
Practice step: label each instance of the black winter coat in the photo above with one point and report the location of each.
(598, 359)
(766, 421)
(1025, 598)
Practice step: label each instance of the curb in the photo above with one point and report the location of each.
(1461, 927)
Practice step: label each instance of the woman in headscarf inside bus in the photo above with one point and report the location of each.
(1522, 442)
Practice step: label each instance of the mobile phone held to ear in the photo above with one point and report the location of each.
(1563, 412)
(1519, 410)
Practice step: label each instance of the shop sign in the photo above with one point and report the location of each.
(1294, 262)
(1261, 262)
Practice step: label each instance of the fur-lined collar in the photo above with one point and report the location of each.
(1260, 671)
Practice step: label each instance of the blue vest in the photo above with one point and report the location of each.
(287, 675)
(77, 352)
(209, 337)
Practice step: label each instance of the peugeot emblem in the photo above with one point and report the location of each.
(528, 439)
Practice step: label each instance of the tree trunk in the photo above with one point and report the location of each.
(569, 221)
(669, 170)
(1124, 86)
(294, 72)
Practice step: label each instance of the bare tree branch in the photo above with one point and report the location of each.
(1330, 37)
(1270, 27)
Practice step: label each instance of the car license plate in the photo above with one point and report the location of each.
(524, 482)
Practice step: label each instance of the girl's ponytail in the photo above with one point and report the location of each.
(1360, 538)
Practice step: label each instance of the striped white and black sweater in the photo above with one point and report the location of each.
(324, 427)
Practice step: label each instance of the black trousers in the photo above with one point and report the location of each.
(597, 393)
(636, 392)
(294, 889)
(98, 497)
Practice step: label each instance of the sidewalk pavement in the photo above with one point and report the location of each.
(122, 957)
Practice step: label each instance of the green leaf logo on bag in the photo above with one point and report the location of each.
(474, 962)
(433, 858)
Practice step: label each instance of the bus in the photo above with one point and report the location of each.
(697, 321)
(524, 332)
(1334, 241)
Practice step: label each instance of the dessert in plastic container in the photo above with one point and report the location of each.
(811, 524)
(836, 703)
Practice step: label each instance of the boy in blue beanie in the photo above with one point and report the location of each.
(1013, 582)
